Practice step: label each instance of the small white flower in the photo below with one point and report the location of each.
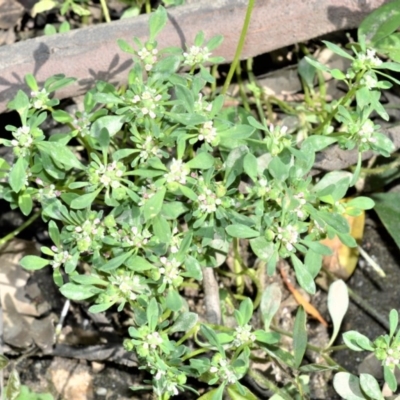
(178, 171)
(207, 132)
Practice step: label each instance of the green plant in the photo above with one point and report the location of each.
(155, 184)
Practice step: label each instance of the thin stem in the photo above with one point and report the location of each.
(106, 13)
(239, 47)
(148, 7)
(242, 90)
(253, 80)
(17, 231)
(237, 266)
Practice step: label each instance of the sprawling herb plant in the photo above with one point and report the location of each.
(153, 184)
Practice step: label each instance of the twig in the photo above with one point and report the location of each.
(17, 231)
(211, 296)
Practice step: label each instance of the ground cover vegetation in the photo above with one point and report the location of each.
(155, 184)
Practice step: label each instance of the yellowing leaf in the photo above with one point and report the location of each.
(344, 259)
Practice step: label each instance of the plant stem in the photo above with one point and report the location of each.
(239, 47)
(17, 231)
(106, 13)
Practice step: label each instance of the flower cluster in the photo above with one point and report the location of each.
(147, 102)
(388, 353)
(368, 59)
(243, 335)
(288, 236)
(196, 55)
(221, 367)
(60, 256)
(148, 148)
(23, 141)
(82, 123)
(170, 271)
(128, 284)
(178, 171)
(366, 132)
(149, 56)
(39, 98)
(208, 133)
(107, 175)
(88, 236)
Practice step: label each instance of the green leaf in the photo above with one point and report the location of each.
(370, 387)
(31, 82)
(237, 132)
(157, 21)
(317, 247)
(250, 166)
(116, 262)
(394, 321)
(236, 395)
(336, 221)
(162, 229)
(20, 103)
(173, 209)
(122, 153)
(97, 308)
(246, 310)
(152, 206)
(152, 313)
(85, 200)
(201, 161)
(380, 23)
(215, 394)
(113, 124)
(361, 202)
(387, 206)
(356, 341)
(241, 231)
(262, 248)
(4, 361)
(299, 336)
(267, 337)
(390, 378)
(88, 280)
(187, 192)
(303, 277)
(348, 386)
(313, 263)
(173, 301)
(137, 263)
(306, 72)
(60, 154)
(185, 96)
(13, 388)
(316, 64)
(211, 337)
(338, 303)
(193, 269)
(33, 263)
(25, 203)
(184, 323)
(61, 116)
(17, 177)
(338, 50)
(76, 292)
(270, 302)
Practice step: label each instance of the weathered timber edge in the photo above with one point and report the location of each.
(92, 53)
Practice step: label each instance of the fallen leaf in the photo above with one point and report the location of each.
(308, 307)
(343, 260)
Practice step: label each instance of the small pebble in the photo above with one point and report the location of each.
(101, 391)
